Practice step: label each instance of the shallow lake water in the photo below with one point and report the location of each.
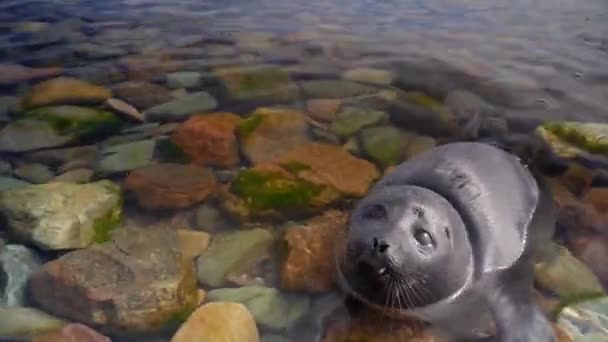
(157, 156)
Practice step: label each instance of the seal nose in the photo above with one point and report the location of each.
(379, 245)
(375, 261)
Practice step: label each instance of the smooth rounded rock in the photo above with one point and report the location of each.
(65, 90)
(17, 263)
(20, 323)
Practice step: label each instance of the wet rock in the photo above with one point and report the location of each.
(193, 243)
(76, 121)
(387, 145)
(105, 73)
(564, 275)
(60, 156)
(65, 90)
(323, 110)
(184, 79)
(232, 254)
(138, 282)
(126, 157)
(308, 265)
(17, 263)
(125, 109)
(24, 323)
(274, 338)
(28, 135)
(209, 139)
(466, 104)
(73, 332)
(325, 89)
(9, 105)
(57, 216)
(586, 320)
(182, 107)
(369, 75)
(576, 140)
(350, 120)
(34, 173)
(170, 186)
(270, 307)
(142, 95)
(592, 249)
(217, 322)
(92, 51)
(5, 168)
(306, 179)
(210, 219)
(14, 73)
(269, 132)
(7, 183)
(75, 176)
(262, 83)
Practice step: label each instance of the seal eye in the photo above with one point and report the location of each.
(423, 238)
(375, 212)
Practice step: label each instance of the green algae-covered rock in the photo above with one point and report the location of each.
(385, 145)
(232, 254)
(350, 120)
(569, 138)
(262, 82)
(126, 157)
(28, 135)
(586, 321)
(18, 323)
(76, 121)
(270, 307)
(334, 89)
(182, 107)
(58, 216)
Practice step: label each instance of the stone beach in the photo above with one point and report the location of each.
(183, 187)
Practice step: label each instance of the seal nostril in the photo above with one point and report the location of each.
(379, 245)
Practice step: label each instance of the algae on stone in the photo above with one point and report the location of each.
(75, 120)
(58, 216)
(350, 120)
(263, 82)
(590, 137)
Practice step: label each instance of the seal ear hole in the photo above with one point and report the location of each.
(375, 212)
(447, 233)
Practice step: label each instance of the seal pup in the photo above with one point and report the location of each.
(450, 237)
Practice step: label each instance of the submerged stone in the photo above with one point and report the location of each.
(17, 263)
(7, 183)
(34, 173)
(586, 321)
(270, 307)
(73, 332)
(58, 216)
(350, 120)
(232, 254)
(76, 121)
(387, 145)
(184, 79)
(263, 82)
(219, 322)
(269, 132)
(334, 89)
(20, 323)
(571, 139)
(182, 107)
(137, 282)
(142, 95)
(369, 75)
(65, 90)
(28, 135)
(14, 73)
(126, 157)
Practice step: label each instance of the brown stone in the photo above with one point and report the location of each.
(193, 243)
(209, 139)
(74, 332)
(269, 132)
(170, 186)
(323, 110)
(65, 90)
(15, 73)
(219, 322)
(598, 197)
(76, 175)
(309, 264)
(577, 178)
(592, 249)
(142, 95)
(137, 282)
(145, 68)
(331, 165)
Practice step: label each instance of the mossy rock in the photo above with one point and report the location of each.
(350, 120)
(248, 125)
(263, 82)
(76, 121)
(589, 137)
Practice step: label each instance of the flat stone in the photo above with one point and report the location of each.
(325, 89)
(264, 83)
(184, 79)
(350, 120)
(8, 183)
(218, 322)
(170, 186)
(57, 216)
(193, 243)
(271, 308)
(14, 73)
(5, 168)
(208, 218)
(232, 254)
(369, 75)
(34, 173)
(65, 90)
(209, 140)
(142, 95)
(20, 323)
(60, 156)
(75, 176)
(73, 332)
(28, 135)
(585, 320)
(137, 282)
(323, 110)
(269, 132)
(125, 109)
(92, 51)
(126, 157)
(17, 263)
(182, 107)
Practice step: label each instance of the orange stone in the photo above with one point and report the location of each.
(74, 332)
(309, 265)
(323, 110)
(170, 186)
(209, 139)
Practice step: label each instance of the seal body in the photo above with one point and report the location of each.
(450, 237)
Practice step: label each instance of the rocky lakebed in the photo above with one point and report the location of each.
(195, 192)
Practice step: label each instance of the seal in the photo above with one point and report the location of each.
(450, 237)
